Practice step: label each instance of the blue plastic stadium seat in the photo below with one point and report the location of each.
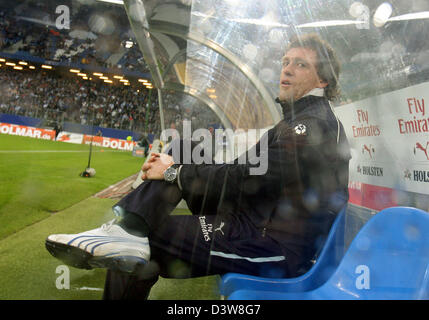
(325, 265)
(388, 259)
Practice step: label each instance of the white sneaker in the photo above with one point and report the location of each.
(109, 246)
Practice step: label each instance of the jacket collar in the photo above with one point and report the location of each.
(312, 103)
(317, 92)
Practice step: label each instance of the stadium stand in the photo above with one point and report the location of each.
(59, 96)
(39, 38)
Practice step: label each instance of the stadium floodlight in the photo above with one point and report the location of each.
(103, 78)
(18, 68)
(98, 74)
(82, 74)
(32, 67)
(142, 80)
(123, 80)
(74, 70)
(2, 60)
(23, 63)
(118, 77)
(10, 64)
(108, 81)
(44, 66)
(382, 14)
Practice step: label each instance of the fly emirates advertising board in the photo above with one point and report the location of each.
(389, 140)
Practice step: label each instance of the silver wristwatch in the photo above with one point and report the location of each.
(170, 174)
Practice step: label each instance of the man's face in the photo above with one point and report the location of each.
(299, 74)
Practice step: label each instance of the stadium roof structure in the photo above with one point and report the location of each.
(227, 53)
(186, 53)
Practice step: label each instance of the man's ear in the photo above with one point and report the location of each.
(322, 84)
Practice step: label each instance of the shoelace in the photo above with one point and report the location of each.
(106, 227)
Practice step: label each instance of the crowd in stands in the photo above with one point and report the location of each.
(57, 98)
(53, 97)
(29, 29)
(22, 31)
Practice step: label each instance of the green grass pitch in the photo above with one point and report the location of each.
(42, 193)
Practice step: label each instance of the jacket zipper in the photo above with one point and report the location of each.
(264, 229)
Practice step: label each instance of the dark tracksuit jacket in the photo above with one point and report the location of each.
(306, 184)
(288, 210)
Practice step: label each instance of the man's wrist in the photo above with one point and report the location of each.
(171, 173)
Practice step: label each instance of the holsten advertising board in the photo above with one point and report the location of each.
(389, 140)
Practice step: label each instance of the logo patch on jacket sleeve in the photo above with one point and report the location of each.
(300, 129)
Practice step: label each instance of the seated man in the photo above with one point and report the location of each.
(268, 224)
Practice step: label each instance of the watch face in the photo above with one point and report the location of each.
(170, 174)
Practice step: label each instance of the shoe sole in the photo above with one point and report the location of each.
(79, 258)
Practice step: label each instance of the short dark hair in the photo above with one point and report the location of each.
(328, 66)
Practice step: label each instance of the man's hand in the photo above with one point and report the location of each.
(154, 168)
